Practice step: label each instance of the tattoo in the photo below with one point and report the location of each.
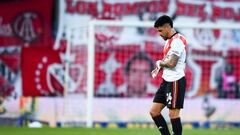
(171, 62)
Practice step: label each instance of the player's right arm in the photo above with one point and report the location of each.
(173, 55)
(171, 62)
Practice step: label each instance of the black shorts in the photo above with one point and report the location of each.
(171, 93)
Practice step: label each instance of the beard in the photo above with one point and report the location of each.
(164, 38)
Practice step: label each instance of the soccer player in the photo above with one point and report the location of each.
(172, 89)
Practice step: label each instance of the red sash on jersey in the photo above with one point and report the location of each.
(167, 47)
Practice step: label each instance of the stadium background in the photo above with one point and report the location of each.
(34, 37)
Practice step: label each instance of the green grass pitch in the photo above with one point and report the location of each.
(107, 131)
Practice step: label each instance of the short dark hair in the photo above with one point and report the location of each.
(139, 56)
(163, 20)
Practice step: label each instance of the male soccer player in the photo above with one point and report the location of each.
(172, 90)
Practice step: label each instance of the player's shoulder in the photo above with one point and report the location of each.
(183, 39)
(179, 39)
(177, 42)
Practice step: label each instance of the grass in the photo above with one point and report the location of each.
(107, 131)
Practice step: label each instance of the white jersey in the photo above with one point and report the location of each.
(175, 45)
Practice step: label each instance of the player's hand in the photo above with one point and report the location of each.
(158, 63)
(155, 72)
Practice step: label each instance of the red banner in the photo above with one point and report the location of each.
(42, 72)
(25, 22)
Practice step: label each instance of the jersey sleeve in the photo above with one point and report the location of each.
(176, 47)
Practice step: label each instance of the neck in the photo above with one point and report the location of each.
(172, 33)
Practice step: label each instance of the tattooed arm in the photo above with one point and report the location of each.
(171, 62)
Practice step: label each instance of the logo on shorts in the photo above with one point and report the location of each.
(169, 98)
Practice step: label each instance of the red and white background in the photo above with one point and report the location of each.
(34, 59)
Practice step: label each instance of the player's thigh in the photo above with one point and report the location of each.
(160, 95)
